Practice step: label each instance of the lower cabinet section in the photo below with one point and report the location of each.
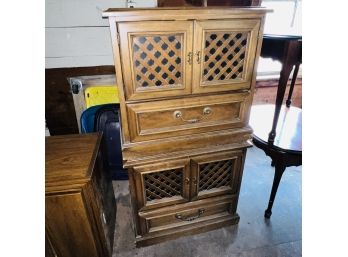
(185, 214)
(186, 219)
(178, 197)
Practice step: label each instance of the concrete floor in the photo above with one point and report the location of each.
(253, 236)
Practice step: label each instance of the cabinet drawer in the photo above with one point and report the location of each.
(161, 119)
(186, 214)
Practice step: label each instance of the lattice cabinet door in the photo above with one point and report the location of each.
(162, 184)
(224, 53)
(156, 58)
(216, 174)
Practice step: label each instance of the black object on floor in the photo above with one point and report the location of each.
(107, 120)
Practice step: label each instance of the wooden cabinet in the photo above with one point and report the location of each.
(187, 57)
(186, 79)
(80, 205)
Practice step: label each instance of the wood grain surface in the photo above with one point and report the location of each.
(80, 207)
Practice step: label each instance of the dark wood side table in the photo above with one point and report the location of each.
(284, 143)
(287, 147)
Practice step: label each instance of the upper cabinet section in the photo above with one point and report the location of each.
(156, 58)
(173, 52)
(225, 53)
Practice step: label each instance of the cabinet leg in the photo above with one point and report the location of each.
(279, 170)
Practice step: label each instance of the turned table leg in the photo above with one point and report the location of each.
(293, 80)
(289, 60)
(279, 170)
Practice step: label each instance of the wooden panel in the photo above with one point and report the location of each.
(224, 57)
(66, 218)
(184, 215)
(167, 118)
(82, 61)
(162, 184)
(104, 198)
(215, 174)
(67, 13)
(70, 158)
(49, 250)
(74, 43)
(79, 197)
(155, 58)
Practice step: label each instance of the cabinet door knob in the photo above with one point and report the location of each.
(198, 58)
(187, 180)
(189, 56)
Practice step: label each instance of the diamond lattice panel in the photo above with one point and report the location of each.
(163, 184)
(215, 174)
(157, 60)
(224, 55)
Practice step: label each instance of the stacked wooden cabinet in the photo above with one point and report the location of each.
(186, 79)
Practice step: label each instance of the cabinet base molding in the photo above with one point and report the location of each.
(224, 219)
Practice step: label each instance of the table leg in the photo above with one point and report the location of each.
(290, 58)
(293, 80)
(283, 80)
(279, 170)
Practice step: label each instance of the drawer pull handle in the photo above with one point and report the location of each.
(190, 218)
(206, 111)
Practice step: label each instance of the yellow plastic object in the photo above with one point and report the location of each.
(101, 94)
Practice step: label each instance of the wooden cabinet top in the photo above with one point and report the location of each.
(70, 159)
(183, 13)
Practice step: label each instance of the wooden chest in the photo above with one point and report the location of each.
(80, 204)
(186, 80)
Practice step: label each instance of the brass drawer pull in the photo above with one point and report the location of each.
(206, 111)
(190, 218)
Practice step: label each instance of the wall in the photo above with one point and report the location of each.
(76, 33)
(77, 43)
